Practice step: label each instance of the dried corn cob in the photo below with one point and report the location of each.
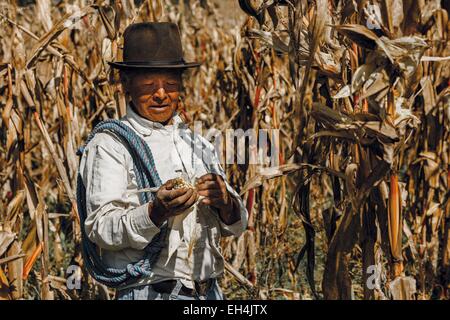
(181, 183)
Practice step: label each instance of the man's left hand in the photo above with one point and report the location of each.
(214, 190)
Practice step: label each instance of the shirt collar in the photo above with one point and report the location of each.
(145, 126)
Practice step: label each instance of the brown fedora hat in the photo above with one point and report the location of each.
(152, 45)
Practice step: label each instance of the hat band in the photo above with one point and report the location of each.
(156, 63)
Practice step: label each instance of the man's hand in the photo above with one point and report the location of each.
(215, 192)
(170, 202)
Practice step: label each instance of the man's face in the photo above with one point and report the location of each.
(154, 93)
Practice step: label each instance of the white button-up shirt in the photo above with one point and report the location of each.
(120, 225)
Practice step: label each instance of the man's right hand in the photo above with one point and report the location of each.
(170, 202)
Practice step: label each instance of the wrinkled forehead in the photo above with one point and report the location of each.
(153, 74)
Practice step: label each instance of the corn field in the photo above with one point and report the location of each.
(358, 204)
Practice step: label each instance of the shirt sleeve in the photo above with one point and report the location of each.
(113, 222)
(213, 164)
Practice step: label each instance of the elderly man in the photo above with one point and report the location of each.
(117, 222)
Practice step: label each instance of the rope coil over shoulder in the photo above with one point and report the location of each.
(147, 176)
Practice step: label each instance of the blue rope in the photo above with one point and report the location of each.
(147, 176)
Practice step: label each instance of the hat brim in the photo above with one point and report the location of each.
(125, 65)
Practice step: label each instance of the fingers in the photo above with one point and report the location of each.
(169, 195)
(211, 193)
(169, 184)
(209, 177)
(167, 192)
(185, 204)
(211, 186)
(191, 200)
(178, 201)
(208, 185)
